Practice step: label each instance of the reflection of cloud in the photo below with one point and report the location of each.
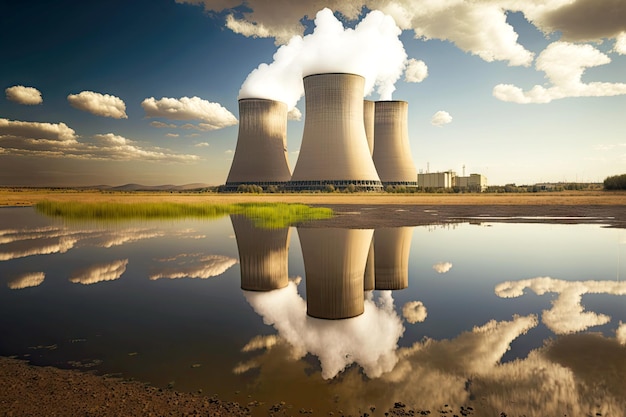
(442, 267)
(99, 273)
(369, 340)
(567, 314)
(62, 245)
(31, 279)
(621, 333)
(414, 312)
(193, 266)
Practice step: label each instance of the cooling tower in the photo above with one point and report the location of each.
(392, 153)
(334, 148)
(263, 255)
(392, 246)
(334, 265)
(261, 154)
(368, 118)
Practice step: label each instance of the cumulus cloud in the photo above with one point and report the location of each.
(372, 49)
(294, 114)
(567, 314)
(104, 105)
(24, 95)
(161, 125)
(442, 267)
(31, 279)
(369, 340)
(564, 64)
(57, 140)
(416, 71)
(202, 145)
(414, 312)
(441, 118)
(213, 115)
(193, 266)
(620, 44)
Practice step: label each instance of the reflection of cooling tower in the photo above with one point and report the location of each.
(368, 118)
(334, 145)
(262, 255)
(334, 264)
(392, 153)
(369, 280)
(261, 154)
(391, 257)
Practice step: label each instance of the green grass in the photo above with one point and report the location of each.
(265, 215)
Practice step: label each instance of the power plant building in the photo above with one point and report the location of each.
(261, 154)
(334, 148)
(436, 179)
(392, 152)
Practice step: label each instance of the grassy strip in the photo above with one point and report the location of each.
(265, 215)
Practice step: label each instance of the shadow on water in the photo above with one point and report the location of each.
(327, 319)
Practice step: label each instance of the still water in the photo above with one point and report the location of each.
(522, 318)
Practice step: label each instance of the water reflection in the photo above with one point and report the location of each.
(437, 341)
(567, 314)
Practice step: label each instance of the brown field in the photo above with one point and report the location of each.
(30, 196)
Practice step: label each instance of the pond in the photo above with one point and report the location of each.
(479, 317)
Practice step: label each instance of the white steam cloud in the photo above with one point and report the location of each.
(104, 105)
(372, 49)
(24, 95)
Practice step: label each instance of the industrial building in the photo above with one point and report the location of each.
(261, 154)
(392, 152)
(449, 179)
(334, 148)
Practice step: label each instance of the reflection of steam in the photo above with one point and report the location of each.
(369, 340)
(32, 279)
(414, 312)
(193, 266)
(442, 267)
(99, 273)
(567, 315)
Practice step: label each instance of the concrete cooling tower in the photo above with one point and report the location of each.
(263, 255)
(261, 154)
(334, 148)
(392, 153)
(369, 107)
(334, 265)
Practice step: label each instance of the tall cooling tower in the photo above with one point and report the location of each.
(334, 266)
(392, 153)
(263, 255)
(334, 148)
(369, 108)
(261, 154)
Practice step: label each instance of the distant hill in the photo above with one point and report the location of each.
(167, 187)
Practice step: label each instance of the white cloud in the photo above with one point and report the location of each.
(564, 64)
(441, 118)
(162, 125)
(620, 44)
(416, 71)
(57, 140)
(567, 314)
(202, 145)
(442, 267)
(294, 114)
(213, 115)
(31, 279)
(172, 135)
(99, 104)
(414, 312)
(98, 273)
(24, 95)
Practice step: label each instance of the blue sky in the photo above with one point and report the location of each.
(146, 91)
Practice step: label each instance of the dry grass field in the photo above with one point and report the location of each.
(31, 196)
